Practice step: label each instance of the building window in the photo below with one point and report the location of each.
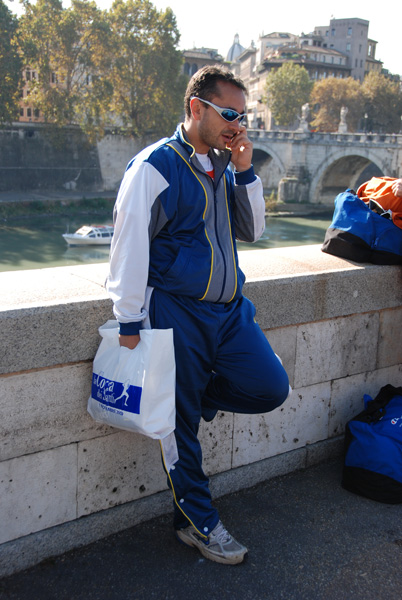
(332, 59)
(348, 47)
(349, 31)
(370, 50)
(28, 75)
(21, 112)
(36, 113)
(355, 62)
(333, 32)
(29, 112)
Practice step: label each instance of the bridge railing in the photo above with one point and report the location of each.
(322, 137)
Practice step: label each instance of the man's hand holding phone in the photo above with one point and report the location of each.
(242, 150)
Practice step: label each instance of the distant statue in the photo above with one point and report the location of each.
(305, 111)
(254, 122)
(343, 127)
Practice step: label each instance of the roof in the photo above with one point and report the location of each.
(235, 49)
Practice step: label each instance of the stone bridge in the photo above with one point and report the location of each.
(315, 167)
(303, 166)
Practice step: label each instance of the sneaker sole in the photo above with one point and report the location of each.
(233, 560)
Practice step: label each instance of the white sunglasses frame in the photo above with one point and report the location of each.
(219, 110)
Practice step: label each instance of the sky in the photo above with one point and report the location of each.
(214, 23)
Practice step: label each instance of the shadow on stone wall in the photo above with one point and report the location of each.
(33, 157)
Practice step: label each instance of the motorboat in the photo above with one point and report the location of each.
(90, 235)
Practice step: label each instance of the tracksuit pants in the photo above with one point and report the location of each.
(223, 362)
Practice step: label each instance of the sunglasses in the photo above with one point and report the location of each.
(226, 113)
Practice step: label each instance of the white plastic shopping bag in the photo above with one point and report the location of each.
(135, 389)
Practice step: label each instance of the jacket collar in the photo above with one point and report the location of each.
(220, 158)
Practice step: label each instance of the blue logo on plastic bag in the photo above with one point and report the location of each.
(120, 396)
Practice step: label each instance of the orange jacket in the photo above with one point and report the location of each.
(380, 190)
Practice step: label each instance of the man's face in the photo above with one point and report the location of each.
(213, 130)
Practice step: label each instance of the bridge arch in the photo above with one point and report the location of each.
(344, 169)
(268, 166)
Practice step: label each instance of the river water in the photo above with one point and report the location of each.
(37, 242)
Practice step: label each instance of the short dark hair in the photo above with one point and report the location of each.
(203, 84)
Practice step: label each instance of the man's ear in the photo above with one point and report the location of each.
(196, 108)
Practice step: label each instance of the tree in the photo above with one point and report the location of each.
(97, 68)
(382, 103)
(287, 89)
(329, 96)
(10, 66)
(69, 50)
(147, 89)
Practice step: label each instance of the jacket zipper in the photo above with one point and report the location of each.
(215, 188)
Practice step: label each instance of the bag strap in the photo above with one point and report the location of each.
(376, 408)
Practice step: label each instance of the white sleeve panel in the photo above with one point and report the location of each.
(256, 197)
(249, 211)
(129, 252)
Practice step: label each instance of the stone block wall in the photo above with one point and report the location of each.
(35, 158)
(66, 481)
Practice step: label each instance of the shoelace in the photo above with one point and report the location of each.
(221, 534)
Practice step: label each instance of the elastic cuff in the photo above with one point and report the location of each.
(130, 328)
(245, 177)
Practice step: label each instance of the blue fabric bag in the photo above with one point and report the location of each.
(373, 448)
(360, 234)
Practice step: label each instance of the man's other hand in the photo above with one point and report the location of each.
(129, 341)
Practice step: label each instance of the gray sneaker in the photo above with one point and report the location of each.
(220, 546)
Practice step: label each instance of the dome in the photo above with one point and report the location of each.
(235, 50)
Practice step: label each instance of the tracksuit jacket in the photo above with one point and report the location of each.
(175, 228)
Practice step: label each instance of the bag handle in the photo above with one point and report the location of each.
(375, 409)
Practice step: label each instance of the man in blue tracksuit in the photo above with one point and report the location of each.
(174, 264)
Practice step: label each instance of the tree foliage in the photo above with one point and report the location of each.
(329, 96)
(287, 89)
(147, 90)
(10, 66)
(99, 68)
(382, 103)
(68, 50)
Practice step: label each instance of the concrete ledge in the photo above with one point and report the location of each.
(51, 316)
(66, 481)
(288, 286)
(299, 285)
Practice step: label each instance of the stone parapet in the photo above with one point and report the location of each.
(318, 137)
(66, 480)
